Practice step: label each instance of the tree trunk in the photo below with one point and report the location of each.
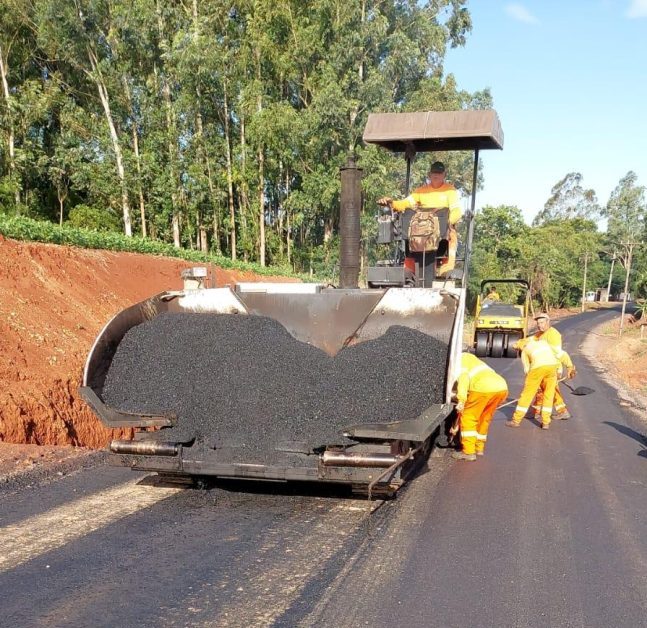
(261, 173)
(116, 146)
(243, 184)
(4, 70)
(230, 177)
(138, 165)
(261, 201)
(171, 135)
(204, 242)
(288, 238)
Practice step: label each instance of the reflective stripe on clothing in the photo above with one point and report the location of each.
(478, 369)
(559, 403)
(476, 376)
(544, 379)
(476, 418)
(540, 353)
(430, 197)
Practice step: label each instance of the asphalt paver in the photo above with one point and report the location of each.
(245, 386)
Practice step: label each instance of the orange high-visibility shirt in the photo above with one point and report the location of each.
(477, 376)
(426, 197)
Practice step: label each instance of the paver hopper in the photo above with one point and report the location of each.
(237, 437)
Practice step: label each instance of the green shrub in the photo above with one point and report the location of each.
(23, 228)
(86, 217)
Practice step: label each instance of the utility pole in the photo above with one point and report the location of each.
(629, 247)
(613, 261)
(586, 264)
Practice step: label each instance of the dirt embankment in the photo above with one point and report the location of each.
(54, 300)
(623, 359)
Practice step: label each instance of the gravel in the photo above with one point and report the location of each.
(245, 386)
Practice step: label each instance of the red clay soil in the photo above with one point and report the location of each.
(54, 300)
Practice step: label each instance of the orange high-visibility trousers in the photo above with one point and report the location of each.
(544, 379)
(558, 402)
(476, 418)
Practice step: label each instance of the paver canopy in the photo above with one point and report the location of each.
(435, 130)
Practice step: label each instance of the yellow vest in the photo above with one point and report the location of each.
(426, 197)
(554, 339)
(477, 376)
(537, 353)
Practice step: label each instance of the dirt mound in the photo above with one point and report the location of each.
(54, 300)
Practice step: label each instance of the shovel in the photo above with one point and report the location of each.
(579, 391)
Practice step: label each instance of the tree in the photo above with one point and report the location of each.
(569, 200)
(626, 211)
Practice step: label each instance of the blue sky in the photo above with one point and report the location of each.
(569, 82)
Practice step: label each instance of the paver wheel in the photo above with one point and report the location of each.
(481, 344)
(497, 345)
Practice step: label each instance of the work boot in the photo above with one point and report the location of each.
(545, 426)
(480, 453)
(511, 424)
(459, 455)
(562, 416)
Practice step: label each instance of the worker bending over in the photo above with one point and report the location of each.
(480, 390)
(437, 194)
(554, 339)
(540, 363)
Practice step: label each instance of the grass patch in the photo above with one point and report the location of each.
(28, 229)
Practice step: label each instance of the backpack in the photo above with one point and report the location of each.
(424, 232)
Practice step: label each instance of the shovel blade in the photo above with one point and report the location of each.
(582, 390)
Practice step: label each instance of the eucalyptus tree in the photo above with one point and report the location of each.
(569, 200)
(78, 37)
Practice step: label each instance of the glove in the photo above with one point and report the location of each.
(460, 406)
(572, 372)
(385, 201)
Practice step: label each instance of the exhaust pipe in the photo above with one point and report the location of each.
(345, 459)
(349, 224)
(142, 448)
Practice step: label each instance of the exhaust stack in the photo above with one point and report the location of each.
(349, 227)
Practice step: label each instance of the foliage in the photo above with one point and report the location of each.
(550, 257)
(23, 228)
(207, 123)
(94, 219)
(626, 211)
(569, 200)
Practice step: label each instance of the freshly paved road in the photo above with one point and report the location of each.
(548, 529)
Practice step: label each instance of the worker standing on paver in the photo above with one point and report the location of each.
(540, 363)
(548, 333)
(436, 194)
(480, 390)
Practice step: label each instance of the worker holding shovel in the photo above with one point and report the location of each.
(540, 363)
(480, 390)
(554, 339)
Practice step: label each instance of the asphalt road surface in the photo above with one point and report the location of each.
(548, 529)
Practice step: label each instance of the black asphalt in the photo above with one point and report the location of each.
(548, 529)
(246, 385)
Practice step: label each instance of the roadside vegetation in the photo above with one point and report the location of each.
(209, 128)
(23, 228)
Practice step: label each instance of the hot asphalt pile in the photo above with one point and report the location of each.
(244, 385)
